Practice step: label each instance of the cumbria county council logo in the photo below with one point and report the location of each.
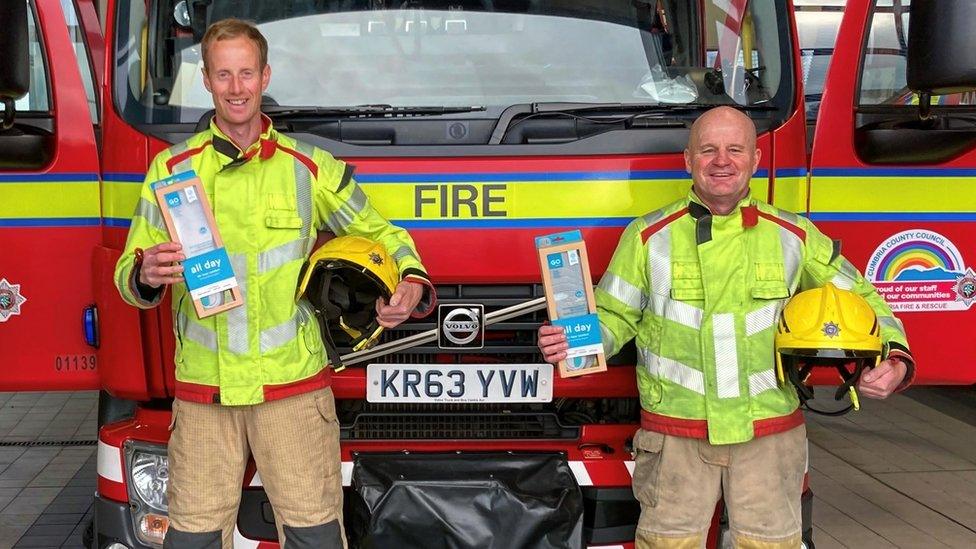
(921, 270)
(830, 329)
(10, 299)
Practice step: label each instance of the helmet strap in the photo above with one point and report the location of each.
(330, 347)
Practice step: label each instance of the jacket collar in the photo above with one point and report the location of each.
(229, 155)
(746, 208)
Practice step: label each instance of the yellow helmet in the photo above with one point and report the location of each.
(342, 280)
(827, 327)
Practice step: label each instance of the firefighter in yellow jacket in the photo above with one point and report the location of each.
(699, 285)
(253, 379)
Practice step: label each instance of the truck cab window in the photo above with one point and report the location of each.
(440, 53)
(817, 24)
(38, 98)
(80, 46)
(883, 69)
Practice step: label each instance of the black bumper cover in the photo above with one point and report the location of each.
(113, 523)
(459, 501)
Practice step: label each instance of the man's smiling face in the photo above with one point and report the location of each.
(235, 78)
(722, 157)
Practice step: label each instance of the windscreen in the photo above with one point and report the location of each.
(452, 53)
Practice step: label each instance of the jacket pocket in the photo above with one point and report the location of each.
(770, 282)
(325, 403)
(282, 220)
(172, 420)
(686, 281)
(179, 323)
(308, 328)
(648, 446)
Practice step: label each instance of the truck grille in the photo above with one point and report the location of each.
(452, 421)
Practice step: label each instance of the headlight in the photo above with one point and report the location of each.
(150, 474)
(147, 468)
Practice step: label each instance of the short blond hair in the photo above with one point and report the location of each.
(229, 28)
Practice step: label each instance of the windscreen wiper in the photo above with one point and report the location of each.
(524, 110)
(366, 111)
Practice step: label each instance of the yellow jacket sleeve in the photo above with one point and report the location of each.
(622, 292)
(147, 229)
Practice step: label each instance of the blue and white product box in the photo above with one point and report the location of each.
(569, 296)
(207, 269)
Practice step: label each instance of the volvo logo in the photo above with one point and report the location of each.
(461, 326)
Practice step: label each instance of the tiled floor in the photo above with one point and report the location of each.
(45, 441)
(899, 473)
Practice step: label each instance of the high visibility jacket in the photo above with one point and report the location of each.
(268, 202)
(701, 294)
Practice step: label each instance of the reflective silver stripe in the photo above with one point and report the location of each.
(281, 254)
(198, 334)
(683, 313)
(623, 291)
(237, 337)
(178, 149)
(340, 219)
(402, 252)
(185, 164)
(842, 282)
(276, 336)
(303, 188)
(659, 261)
(893, 323)
(673, 371)
(762, 382)
(791, 257)
(609, 343)
(762, 318)
(790, 217)
(847, 277)
(653, 217)
(726, 355)
(356, 201)
(150, 211)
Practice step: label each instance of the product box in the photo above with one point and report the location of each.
(189, 220)
(569, 296)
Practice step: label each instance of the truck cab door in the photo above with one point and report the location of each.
(50, 213)
(897, 191)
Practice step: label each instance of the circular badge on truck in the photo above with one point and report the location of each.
(461, 326)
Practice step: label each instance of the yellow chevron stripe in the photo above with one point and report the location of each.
(893, 194)
(49, 199)
(533, 200)
(119, 199)
(790, 193)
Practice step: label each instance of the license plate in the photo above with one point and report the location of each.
(459, 383)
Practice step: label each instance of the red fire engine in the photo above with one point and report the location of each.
(477, 125)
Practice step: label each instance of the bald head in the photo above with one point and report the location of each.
(722, 157)
(725, 116)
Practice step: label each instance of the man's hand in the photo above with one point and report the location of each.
(158, 265)
(882, 380)
(552, 343)
(403, 302)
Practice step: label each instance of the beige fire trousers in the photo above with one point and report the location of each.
(678, 482)
(295, 444)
